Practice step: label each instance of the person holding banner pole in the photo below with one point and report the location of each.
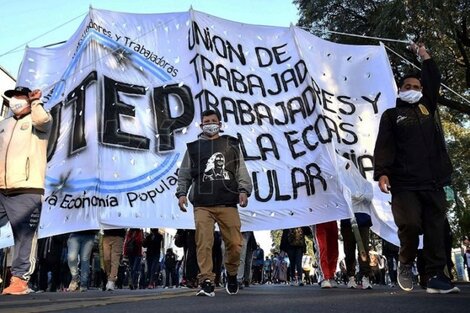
(412, 163)
(363, 223)
(214, 169)
(23, 159)
(355, 231)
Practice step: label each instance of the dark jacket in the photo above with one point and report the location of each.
(153, 243)
(285, 246)
(170, 261)
(251, 244)
(410, 147)
(213, 185)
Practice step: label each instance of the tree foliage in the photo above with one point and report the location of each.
(444, 27)
(276, 240)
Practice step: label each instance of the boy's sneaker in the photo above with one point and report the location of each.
(366, 283)
(232, 284)
(326, 284)
(110, 286)
(405, 277)
(352, 283)
(17, 287)
(333, 283)
(207, 289)
(73, 286)
(441, 284)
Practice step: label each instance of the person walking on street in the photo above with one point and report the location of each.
(112, 244)
(170, 268)
(153, 243)
(364, 223)
(214, 168)
(293, 243)
(246, 259)
(326, 251)
(23, 159)
(132, 254)
(411, 162)
(79, 247)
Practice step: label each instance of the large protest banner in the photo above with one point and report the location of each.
(126, 92)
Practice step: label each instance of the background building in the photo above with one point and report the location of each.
(7, 81)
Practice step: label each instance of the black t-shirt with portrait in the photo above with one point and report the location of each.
(213, 168)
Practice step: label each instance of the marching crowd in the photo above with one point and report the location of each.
(132, 259)
(410, 162)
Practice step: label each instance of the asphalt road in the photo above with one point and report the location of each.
(262, 299)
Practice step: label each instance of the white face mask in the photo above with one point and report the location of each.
(410, 96)
(17, 105)
(211, 129)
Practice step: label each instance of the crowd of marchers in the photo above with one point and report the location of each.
(135, 259)
(410, 162)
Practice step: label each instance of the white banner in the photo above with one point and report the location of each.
(127, 93)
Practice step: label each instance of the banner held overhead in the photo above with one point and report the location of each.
(127, 90)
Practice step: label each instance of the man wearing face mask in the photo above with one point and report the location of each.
(214, 168)
(23, 149)
(412, 163)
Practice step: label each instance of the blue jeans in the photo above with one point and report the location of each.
(134, 267)
(80, 244)
(295, 257)
(153, 265)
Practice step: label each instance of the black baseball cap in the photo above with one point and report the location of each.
(24, 91)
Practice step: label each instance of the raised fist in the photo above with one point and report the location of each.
(36, 94)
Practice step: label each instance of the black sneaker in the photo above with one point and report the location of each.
(232, 284)
(405, 277)
(441, 284)
(207, 289)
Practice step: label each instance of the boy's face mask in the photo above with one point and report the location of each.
(211, 129)
(410, 96)
(16, 104)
